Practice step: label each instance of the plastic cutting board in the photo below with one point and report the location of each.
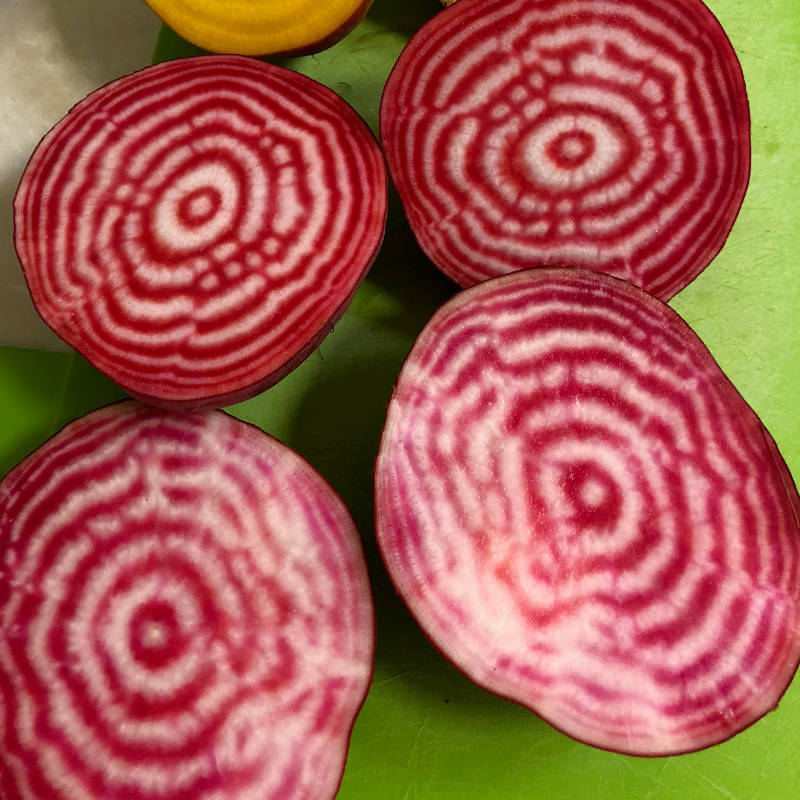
(425, 731)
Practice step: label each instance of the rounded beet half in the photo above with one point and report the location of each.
(586, 517)
(184, 613)
(196, 228)
(613, 136)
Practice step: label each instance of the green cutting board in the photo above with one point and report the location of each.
(425, 731)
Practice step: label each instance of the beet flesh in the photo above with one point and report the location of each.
(196, 228)
(613, 136)
(586, 517)
(184, 613)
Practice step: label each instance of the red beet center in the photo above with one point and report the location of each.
(155, 635)
(571, 149)
(594, 496)
(199, 206)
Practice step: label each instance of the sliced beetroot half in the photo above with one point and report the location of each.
(608, 135)
(184, 613)
(587, 518)
(196, 228)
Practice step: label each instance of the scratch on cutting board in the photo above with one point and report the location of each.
(420, 668)
(762, 775)
(58, 417)
(658, 782)
(407, 794)
(795, 788)
(723, 791)
(658, 779)
(418, 791)
(413, 752)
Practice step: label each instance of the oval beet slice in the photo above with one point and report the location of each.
(184, 613)
(196, 228)
(607, 135)
(586, 517)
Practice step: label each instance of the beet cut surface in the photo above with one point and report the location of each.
(196, 228)
(184, 613)
(608, 135)
(586, 517)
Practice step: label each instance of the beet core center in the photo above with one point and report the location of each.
(199, 206)
(571, 149)
(594, 496)
(154, 634)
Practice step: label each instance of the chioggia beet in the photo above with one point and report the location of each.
(607, 134)
(586, 517)
(184, 613)
(196, 228)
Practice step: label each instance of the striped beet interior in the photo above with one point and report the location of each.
(195, 228)
(184, 613)
(608, 135)
(586, 517)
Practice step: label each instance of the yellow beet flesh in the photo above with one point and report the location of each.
(261, 27)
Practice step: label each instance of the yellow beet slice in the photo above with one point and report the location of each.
(261, 27)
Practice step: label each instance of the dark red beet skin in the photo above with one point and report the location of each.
(184, 613)
(196, 228)
(586, 517)
(613, 136)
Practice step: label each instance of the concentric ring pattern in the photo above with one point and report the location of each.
(586, 517)
(196, 228)
(608, 135)
(184, 613)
